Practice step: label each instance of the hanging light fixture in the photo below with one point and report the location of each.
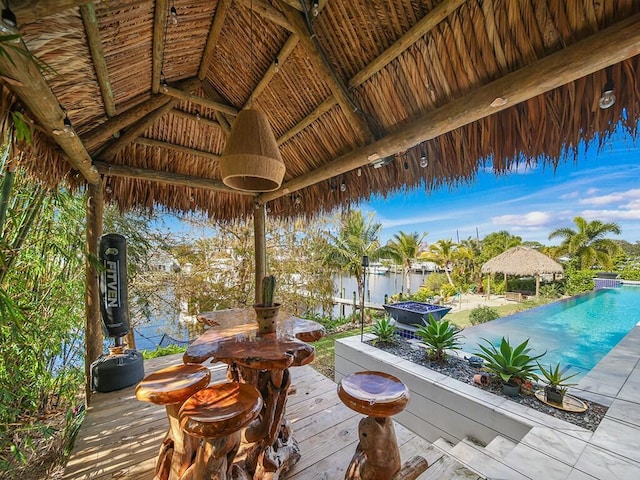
(8, 17)
(424, 161)
(174, 15)
(608, 97)
(251, 160)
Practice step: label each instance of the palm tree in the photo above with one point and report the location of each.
(356, 238)
(404, 249)
(443, 253)
(587, 245)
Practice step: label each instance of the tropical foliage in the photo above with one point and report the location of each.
(555, 377)
(483, 314)
(508, 362)
(439, 336)
(587, 245)
(384, 329)
(404, 249)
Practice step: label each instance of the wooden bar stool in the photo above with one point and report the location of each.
(379, 396)
(216, 415)
(171, 387)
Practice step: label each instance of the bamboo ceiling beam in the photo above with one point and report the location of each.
(268, 12)
(204, 102)
(441, 11)
(432, 19)
(133, 132)
(326, 74)
(298, 6)
(94, 40)
(113, 126)
(284, 52)
(213, 94)
(24, 78)
(323, 108)
(602, 49)
(29, 11)
(179, 179)
(214, 32)
(194, 118)
(159, 34)
(149, 142)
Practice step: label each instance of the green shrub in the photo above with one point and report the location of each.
(497, 286)
(447, 290)
(423, 295)
(163, 351)
(438, 337)
(521, 285)
(434, 281)
(579, 281)
(630, 273)
(482, 314)
(385, 330)
(550, 291)
(508, 362)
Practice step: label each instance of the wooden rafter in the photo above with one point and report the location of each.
(178, 148)
(204, 102)
(96, 137)
(194, 118)
(133, 132)
(323, 108)
(24, 78)
(284, 52)
(266, 11)
(29, 11)
(216, 27)
(115, 170)
(441, 11)
(298, 6)
(159, 30)
(90, 21)
(426, 24)
(607, 47)
(339, 91)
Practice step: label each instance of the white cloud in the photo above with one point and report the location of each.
(570, 195)
(615, 197)
(531, 219)
(611, 215)
(592, 191)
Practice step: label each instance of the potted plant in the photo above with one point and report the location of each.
(511, 365)
(439, 336)
(556, 382)
(267, 311)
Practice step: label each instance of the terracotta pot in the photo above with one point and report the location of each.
(266, 317)
(481, 379)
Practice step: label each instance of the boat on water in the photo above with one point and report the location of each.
(378, 269)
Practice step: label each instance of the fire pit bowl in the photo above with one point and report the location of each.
(411, 313)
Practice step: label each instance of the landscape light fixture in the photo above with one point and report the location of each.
(365, 265)
(608, 97)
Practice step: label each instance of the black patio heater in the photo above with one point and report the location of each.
(365, 265)
(122, 367)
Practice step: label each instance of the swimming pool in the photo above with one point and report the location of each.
(577, 332)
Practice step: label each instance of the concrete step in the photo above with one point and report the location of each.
(476, 458)
(500, 446)
(449, 468)
(443, 445)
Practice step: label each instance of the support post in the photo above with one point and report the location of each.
(259, 228)
(93, 329)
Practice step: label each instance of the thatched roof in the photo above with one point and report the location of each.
(522, 261)
(364, 83)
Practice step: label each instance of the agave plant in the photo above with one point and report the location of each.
(556, 382)
(508, 362)
(439, 337)
(385, 330)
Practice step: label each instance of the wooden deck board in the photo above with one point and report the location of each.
(120, 436)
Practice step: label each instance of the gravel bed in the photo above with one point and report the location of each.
(461, 370)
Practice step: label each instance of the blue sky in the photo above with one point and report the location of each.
(530, 202)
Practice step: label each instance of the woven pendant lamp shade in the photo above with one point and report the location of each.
(251, 160)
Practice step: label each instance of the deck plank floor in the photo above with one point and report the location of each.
(120, 436)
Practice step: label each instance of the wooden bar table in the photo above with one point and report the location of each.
(263, 360)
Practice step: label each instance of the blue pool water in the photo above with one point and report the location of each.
(577, 332)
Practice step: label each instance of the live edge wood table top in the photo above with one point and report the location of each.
(262, 360)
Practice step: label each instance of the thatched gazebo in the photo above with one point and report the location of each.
(522, 261)
(133, 101)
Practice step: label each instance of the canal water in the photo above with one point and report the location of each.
(167, 319)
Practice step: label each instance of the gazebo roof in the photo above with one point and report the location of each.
(522, 261)
(364, 84)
